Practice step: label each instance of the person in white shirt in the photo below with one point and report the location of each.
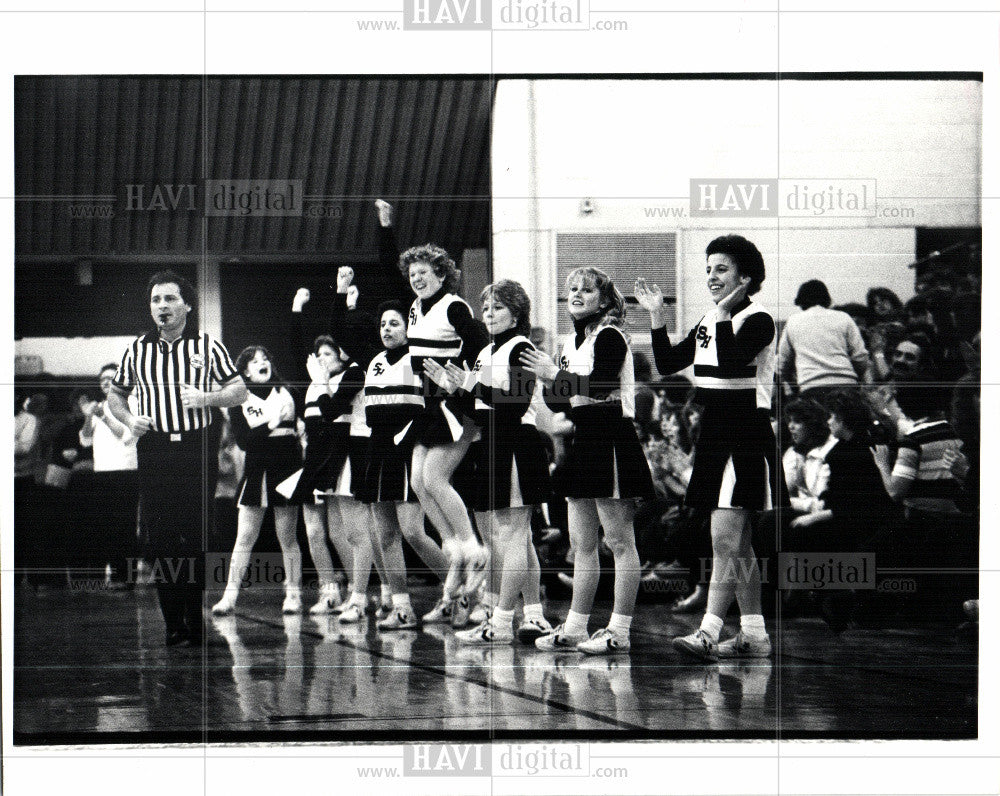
(115, 482)
(820, 349)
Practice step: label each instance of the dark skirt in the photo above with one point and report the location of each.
(736, 464)
(326, 453)
(350, 479)
(387, 469)
(431, 428)
(279, 458)
(512, 467)
(603, 457)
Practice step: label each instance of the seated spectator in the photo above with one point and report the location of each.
(882, 341)
(806, 474)
(884, 306)
(820, 348)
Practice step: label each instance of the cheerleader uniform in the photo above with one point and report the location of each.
(595, 387)
(328, 418)
(512, 463)
(393, 398)
(442, 328)
(272, 454)
(735, 460)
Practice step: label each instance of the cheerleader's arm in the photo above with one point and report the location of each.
(333, 406)
(472, 332)
(672, 358)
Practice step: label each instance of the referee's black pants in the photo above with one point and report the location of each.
(176, 477)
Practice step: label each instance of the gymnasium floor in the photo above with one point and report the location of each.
(91, 668)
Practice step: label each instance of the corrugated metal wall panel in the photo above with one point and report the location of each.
(347, 139)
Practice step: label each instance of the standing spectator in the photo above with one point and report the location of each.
(115, 494)
(821, 348)
(179, 373)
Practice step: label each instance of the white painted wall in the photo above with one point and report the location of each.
(633, 147)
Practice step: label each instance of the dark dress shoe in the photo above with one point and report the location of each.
(175, 638)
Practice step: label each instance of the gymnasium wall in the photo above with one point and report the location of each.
(632, 147)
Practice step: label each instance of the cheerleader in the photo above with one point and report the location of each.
(327, 415)
(264, 427)
(440, 326)
(736, 471)
(604, 471)
(393, 398)
(512, 465)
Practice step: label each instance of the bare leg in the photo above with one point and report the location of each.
(356, 519)
(387, 534)
(411, 523)
(284, 526)
(583, 534)
(531, 586)
(727, 526)
(616, 518)
(748, 586)
(512, 526)
(247, 531)
(338, 534)
(314, 517)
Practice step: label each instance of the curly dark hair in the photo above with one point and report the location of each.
(249, 353)
(813, 416)
(851, 409)
(748, 259)
(188, 293)
(437, 258)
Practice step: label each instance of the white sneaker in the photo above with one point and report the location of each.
(329, 598)
(605, 642)
(226, 605)
(485, 634)
(292, 603)
(742, 646)
(352, 614)
(439, 613)
(560, 640)
(399, 619)
(480, 614)
(534, 628)
(699, 645)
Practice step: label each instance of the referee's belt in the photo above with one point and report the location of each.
(177, 436)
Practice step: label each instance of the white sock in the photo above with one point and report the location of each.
(576, 623)
(359, 599)
(503, 619)
(534, 611)
(293, 591)
(619, 623)
(753, 625)
(402, 601)
(386, 594)
(712, 625)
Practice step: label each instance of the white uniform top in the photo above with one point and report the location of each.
(315, 390)
(388, 384)
(580, 361)
(432, 335)
(112, 454)
(758, 375)
(497, 375)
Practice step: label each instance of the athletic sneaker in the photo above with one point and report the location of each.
(699, 645)
(480, 614)
(605, 642)
(741, 646)
(559, 640)
(292, 603)
(399, 619)
(484, 634)
(533, 628)
(226, 605)
(344, 605)
(460, 610)
(439, 613)
(351, 614)
(329, 599)
(384, 610)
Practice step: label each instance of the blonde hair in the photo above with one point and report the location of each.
(613, 311)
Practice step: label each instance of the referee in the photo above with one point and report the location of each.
(179, 374)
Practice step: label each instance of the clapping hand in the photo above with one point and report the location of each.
(317, 372)
(539, 363)
(345, 275)
(443, 377)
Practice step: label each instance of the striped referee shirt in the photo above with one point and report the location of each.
(157, 369)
